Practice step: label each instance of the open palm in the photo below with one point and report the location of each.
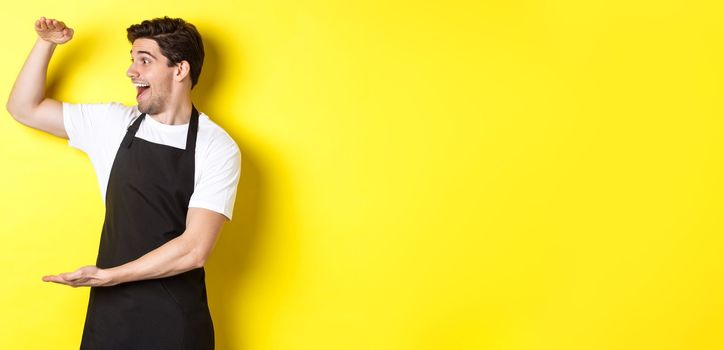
(53, 30)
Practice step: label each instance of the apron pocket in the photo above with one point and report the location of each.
(171, 295)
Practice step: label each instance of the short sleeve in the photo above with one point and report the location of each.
(218, 180)
(87, 124)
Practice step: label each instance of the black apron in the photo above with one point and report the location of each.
(147, 199)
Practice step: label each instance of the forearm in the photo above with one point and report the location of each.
(176, 256)
(29, 88)
(181, 254)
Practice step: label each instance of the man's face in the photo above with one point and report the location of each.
(151, 75)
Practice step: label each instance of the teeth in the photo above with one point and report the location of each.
(141, 85)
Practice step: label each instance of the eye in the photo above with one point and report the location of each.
(143, 60)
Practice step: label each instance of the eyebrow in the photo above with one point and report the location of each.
(140, 52)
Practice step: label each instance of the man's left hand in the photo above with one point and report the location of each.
(86, 276)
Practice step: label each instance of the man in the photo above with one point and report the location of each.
(168, 176)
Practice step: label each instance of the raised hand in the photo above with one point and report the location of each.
(53, 31)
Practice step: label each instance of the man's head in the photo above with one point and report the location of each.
(167, 57)
(178, 40)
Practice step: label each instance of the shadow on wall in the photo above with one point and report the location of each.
(234, 253)
(70, 60)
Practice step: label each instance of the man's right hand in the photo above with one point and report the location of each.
(53, 31)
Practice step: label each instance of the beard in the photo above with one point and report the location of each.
(151, 106)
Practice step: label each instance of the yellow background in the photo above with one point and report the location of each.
(416, 175)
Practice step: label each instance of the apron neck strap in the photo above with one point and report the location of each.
(193, 128)
(190, 136)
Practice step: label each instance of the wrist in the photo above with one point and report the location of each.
(114, 276)
(46, 43)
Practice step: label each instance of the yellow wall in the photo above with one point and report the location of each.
(416, 175)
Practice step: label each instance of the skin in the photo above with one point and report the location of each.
(168, 102)
(169, 97)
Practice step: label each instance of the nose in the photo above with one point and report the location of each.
(131, 72)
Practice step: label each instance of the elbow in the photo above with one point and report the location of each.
(198, 263)
(194, 252)
(198, 259)
(11, 108)
(15, 110)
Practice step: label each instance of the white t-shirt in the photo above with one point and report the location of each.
(98, 129)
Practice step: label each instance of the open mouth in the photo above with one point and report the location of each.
(141, 89)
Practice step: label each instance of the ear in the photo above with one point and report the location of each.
(183, 71)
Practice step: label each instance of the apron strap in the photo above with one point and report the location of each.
(193, 127)
(131, 131)
(190, 136)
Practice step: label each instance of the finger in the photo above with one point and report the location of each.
(78, 275)
(43, 25)
(55, 279)
(51, 24)
(60, 25)
(80, 282)
(83, 282)
(71, 276)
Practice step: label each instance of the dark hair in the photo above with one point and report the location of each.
(178, 40)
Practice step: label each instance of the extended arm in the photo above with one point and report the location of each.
(27, 102)
(188, 251)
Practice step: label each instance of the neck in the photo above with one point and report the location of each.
(177, 112)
